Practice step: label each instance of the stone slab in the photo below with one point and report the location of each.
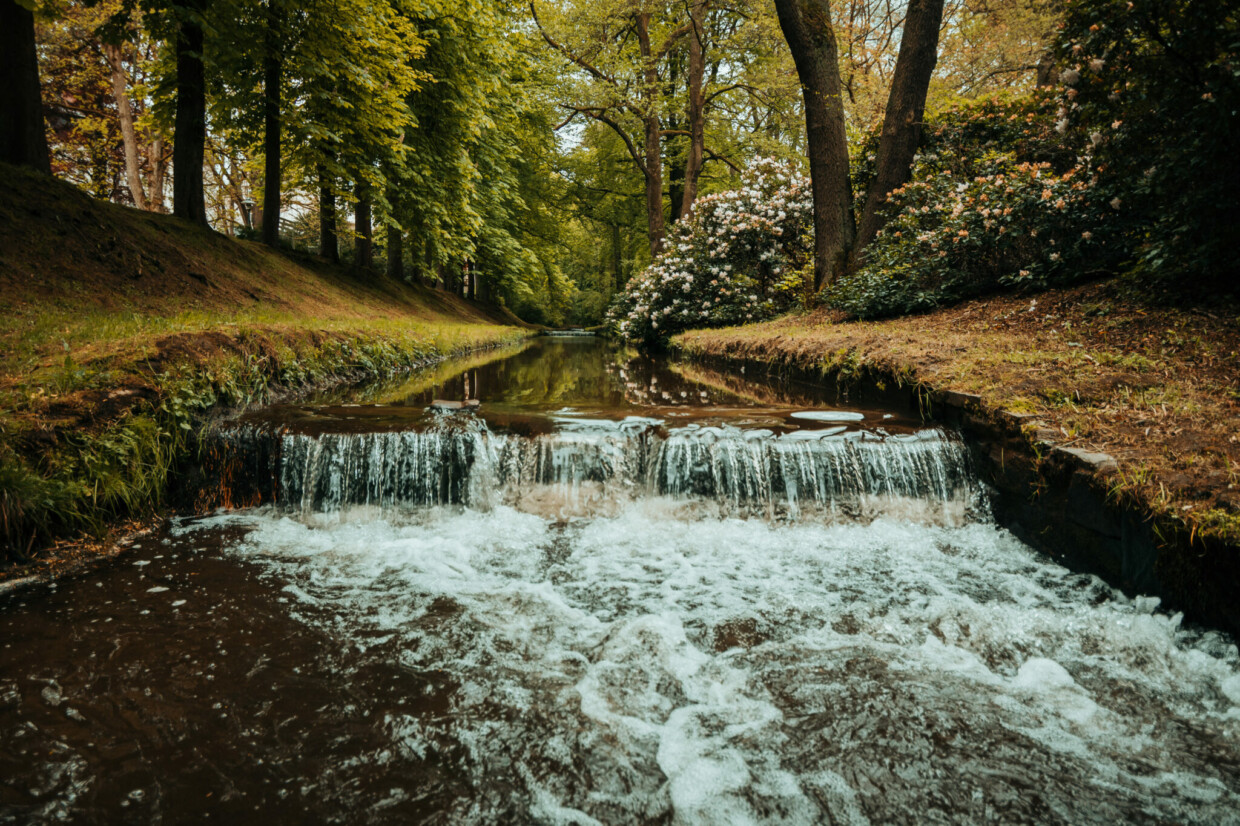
(443, 404)
(1095, 462)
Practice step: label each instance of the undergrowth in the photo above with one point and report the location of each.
(86, 481)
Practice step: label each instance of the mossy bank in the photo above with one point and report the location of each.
(125, 333)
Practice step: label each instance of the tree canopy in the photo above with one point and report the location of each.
(540, 153)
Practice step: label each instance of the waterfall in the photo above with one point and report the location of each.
(582, 463)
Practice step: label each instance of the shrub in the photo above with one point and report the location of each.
(997, 199)
(1155, 85)
(735, 258)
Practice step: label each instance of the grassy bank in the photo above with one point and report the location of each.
(1157, 388)
(121, 332)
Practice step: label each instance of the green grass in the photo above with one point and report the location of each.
(89, 479)
(122, 333)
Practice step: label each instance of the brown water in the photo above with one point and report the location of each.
(528, 387)
(664, 662)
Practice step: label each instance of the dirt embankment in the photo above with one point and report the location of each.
(98, 300)
(114, 322)
(1157, 388)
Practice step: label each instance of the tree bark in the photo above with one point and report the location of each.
(653, 156)
(23, 136)
(806, 25)
(155, 186)
(328, 246)
(190, 125)
(129, 138)
(697, 106)
(617, 274)
(395, 252)
(906, 107)
(363, 227)
(482, 293)
(272, 72)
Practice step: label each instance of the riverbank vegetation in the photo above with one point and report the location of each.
(1090, 368)
(121, 339)
(661, 166)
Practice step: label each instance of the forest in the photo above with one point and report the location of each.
(572, 159)
(589, 412)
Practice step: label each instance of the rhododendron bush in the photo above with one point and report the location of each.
(998, 198)
(737, 257)
(1155, 85)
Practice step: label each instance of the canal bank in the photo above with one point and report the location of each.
(1109, 431)
(123, 332)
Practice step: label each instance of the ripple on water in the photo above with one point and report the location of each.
(644, 668)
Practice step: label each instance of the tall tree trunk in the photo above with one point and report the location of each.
(328, 246)
(120, 93)
(652, 157)
(697, 106)
(363, 227)
(675, 182)
(155, 183)
(1045, 76)
(617, 275)
(272, 71)
(906, 106)
(190, 125)
(806, 25)
(482, 293)
(395, 252)
(675, 156)
(23, 136)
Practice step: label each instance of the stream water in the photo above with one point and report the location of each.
(617, 591)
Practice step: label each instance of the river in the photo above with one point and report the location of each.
(619, 590)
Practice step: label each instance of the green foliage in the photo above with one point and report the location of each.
(90, 479)
(1155, 86)
(734, 259)
(996, 201)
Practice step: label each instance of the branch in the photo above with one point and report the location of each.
(711, 156)
(750, 89)
(574, 58)
(671, 40)
(601, 116)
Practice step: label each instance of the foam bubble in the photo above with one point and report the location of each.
(659, 664)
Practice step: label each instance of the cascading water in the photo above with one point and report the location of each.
(616, 593)
(459, 460)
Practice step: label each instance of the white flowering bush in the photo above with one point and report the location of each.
(736, 258)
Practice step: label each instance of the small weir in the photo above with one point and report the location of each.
(571, 585)
(458, 460)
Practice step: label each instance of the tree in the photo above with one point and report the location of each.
(273, 67)
(190, 130)
(128, 52)
(808, 29)
(625, 87)
(811, 38)
(906, 108)
(120, 91)
(329, 247)
(23, 140)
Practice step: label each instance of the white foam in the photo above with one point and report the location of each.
(679, 660)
